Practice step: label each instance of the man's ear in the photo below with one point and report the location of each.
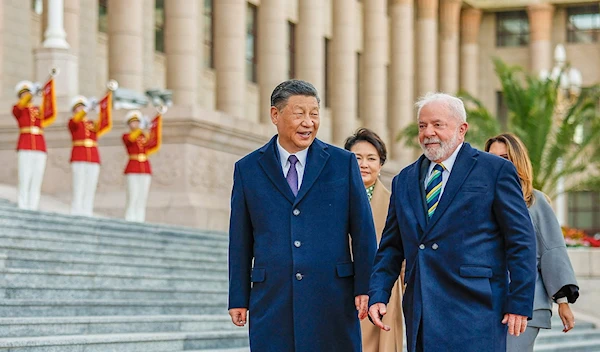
(274, 115)
(464, 127)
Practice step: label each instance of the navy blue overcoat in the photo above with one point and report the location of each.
(290, 261)
(457, 262)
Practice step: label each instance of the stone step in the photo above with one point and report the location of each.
(56, 326)
(557, 325)
(575, 346)
(42, 242)
(97, 266)
(155, 342)
(29, 278)
(10, 215)
(62, 308)
(556, 336)
(55, 252)
(32, 227)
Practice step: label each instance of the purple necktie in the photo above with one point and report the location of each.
(292, 175)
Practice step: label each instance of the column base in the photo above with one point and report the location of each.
(66, 83)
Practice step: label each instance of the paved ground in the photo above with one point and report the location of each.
(587, 306)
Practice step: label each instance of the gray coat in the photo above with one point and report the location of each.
(554, 269)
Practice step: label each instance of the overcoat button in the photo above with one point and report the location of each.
(296, 212)
(422, 246)
(298, 276)
(435, 246)
(297, 244)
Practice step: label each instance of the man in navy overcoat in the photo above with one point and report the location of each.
(296, 204)
(458, 217)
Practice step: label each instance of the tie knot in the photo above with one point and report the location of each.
(293, 160)
(439, 167)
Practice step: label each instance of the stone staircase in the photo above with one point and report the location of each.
(585, 337)
(85, 284)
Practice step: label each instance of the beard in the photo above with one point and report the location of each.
(442, 152)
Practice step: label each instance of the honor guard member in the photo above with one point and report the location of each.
(139, 174)
(85, 159)
(31, 147)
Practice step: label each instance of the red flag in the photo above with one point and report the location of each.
(104, 123)
(155, 138)
(48, 103)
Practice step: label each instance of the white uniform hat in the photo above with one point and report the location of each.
(23, 86)
(133, 115)
(79, 100)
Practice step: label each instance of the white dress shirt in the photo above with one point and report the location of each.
(285, 163)
(448, 164)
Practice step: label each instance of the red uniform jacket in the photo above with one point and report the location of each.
(30, 127)
(85, 141)
(138, 157)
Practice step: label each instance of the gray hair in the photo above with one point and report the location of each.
(452, 103)
(285, 90)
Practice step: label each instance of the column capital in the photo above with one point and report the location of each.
(469, 25)
(540, 21)
(427, 8)
(449, 17)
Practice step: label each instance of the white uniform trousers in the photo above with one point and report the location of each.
(85, 182)
(138, 186)
(31, 165)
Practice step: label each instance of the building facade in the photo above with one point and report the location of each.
(369, 59)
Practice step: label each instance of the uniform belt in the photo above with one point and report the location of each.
(139, 157)
(88, 143)
(32, 130)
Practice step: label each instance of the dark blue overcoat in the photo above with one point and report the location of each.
(457, 262)
(290, 261)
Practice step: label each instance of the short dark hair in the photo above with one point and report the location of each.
(366, 135)
(285, 90)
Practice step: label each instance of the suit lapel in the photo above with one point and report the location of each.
(415, 193)
(269, 161)
(315, 162)
(465, 160)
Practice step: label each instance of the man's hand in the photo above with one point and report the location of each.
(238, 316)
(362, 304)
(567, 317)
(516, 323)
(377, 311)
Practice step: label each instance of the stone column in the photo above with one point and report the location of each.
(55, 35)
(125, 43)
(272, 52)
(540, 46)
(230, 55)
(449, 28)
(72, 28)
(344, 70)
(55, 53)
(469, 50)
(309, 39)
(427, 46)
(181, 41)
(402, 53)
(374, 66)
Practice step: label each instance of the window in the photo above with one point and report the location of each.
(209, 30)
(501, 110)
(326, 74)
(584, 211)
(292, 50)
(512, 28)
(37, 6)
(103, 16)
(583, 24)
(251, 22)
(159, 26)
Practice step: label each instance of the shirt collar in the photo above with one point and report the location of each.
(284, 155)
(448, 164)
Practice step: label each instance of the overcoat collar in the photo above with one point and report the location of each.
(315, 161)
(466, 159)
